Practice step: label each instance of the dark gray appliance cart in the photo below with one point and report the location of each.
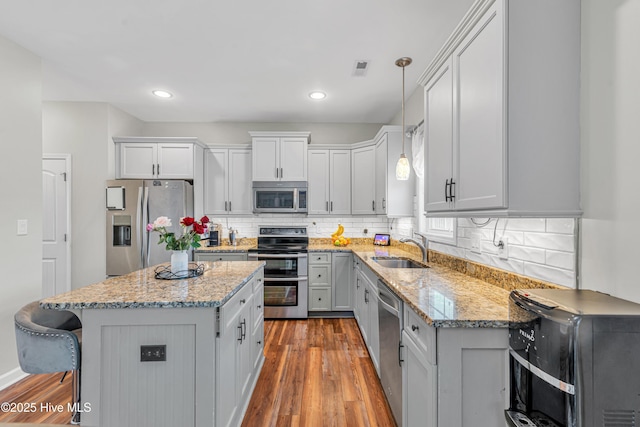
(573, 359)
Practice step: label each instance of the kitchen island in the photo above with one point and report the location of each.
(169, 352)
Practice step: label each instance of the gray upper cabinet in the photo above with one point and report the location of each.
(328, 172)
(363, 179)
(394, 198)
(502, 113)
(279, 156)
(157, 158)
(227, 182)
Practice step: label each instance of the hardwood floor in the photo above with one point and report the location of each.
(317, 372)
(33, 392)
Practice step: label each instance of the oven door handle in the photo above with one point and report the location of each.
(277, 256)
(285, 279)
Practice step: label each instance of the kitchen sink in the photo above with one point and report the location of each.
(397, 262)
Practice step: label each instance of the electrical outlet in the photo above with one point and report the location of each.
(23, 226)
(503, 249)
(153, 353)
(476, 243)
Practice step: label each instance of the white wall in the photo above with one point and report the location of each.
(20, 192)
(610, 127)
(119, 124)
(238, 133)
(84, 130)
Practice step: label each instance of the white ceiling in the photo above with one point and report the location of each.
(243, 60)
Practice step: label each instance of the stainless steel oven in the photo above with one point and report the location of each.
(279, 197)
(284, 251)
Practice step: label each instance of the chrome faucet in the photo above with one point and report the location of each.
(421, 245)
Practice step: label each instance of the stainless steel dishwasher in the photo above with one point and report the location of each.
(390, 327)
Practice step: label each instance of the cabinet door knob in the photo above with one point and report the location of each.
(319, 275)
(414, 328)
(242, 301)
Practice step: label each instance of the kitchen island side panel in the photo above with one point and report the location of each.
(121, 391)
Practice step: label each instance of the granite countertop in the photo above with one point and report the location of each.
(140, 289)
(443, 297)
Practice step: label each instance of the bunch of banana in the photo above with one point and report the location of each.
(338, 239)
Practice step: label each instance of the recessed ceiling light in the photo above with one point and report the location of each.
(162, 94)
(317, 95)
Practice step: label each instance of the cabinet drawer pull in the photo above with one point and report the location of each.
(446, 191)
(225, 207)
(158, 169)
(452, 190)
(384, 203)
(327, 208)
(230, 206)
(281, 173)
(414, 328)
(242, 301)
(153, 169)
(331, 206)
(373, 205)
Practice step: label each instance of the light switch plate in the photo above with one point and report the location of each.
(22, 227)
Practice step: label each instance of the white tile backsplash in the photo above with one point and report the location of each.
(538, 247)
(247, 226)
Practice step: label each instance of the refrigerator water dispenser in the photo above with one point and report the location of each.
(122, 230)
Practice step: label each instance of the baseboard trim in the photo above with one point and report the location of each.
(11, 378)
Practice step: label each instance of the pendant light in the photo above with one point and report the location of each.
(403, 169)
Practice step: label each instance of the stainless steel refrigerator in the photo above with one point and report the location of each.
(130, 206)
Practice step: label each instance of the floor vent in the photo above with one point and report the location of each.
(361, 67)
(620, 418)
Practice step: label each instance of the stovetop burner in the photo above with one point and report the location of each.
(281, 239)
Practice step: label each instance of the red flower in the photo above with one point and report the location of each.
(204, 220)
(187, 221)
(198, 228)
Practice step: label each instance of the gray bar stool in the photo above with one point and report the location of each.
(49, 341)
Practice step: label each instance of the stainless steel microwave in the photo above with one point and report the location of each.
(280, 196)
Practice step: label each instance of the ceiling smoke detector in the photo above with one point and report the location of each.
(360, 67)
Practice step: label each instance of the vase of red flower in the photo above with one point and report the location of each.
(190, 238)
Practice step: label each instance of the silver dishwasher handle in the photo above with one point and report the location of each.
(388, 301)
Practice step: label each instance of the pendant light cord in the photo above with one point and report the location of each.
(403, 110)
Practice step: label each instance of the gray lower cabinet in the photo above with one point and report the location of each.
(366, 310)
(342, 281)
(330, 281)
(220, 256)
(239, 353)
(453, 376)
(319, 281)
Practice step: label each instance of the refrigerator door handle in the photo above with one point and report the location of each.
(143, 227)
(139, 227)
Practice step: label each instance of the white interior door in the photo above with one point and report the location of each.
(56, 274)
